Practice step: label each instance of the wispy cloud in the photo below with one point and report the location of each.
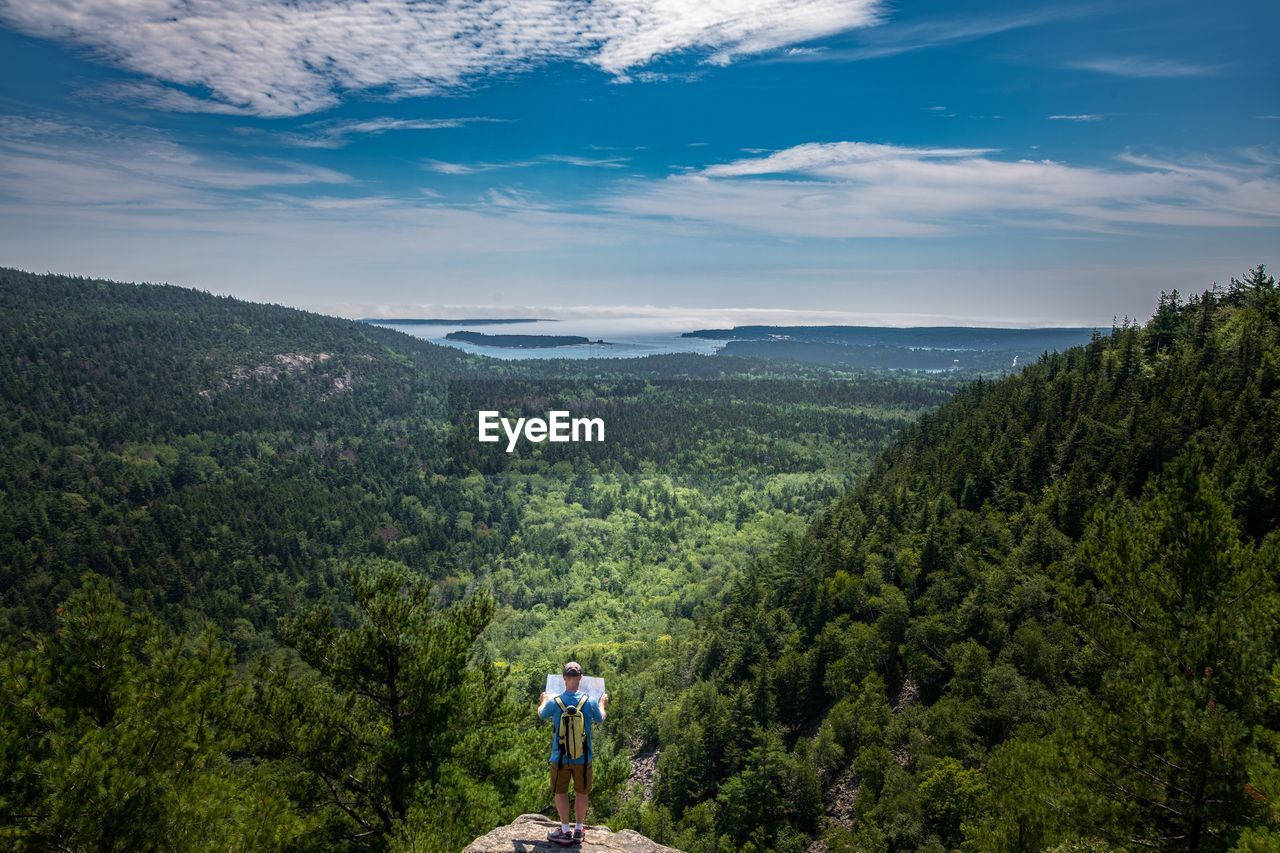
(89, 178)
(283, 58)
(336, 134)
(853, 189)
(136, 193)
(135, 204)
(1078, 117)
(1144, 66)
(661, 77)
(588, 162)
(51, 162)
(444, 167)
(894, 39)
(146, 93)
(830, 158)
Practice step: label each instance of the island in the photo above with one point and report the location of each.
(928, 348)
(444, 321)
(973, 338)
(522, 341)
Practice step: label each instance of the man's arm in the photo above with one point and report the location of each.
(602, 706)
(544, 706)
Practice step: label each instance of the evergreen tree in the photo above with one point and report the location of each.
(1181, 634)
(390, 710)
(116, 735)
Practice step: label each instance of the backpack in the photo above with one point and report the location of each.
(572, 734)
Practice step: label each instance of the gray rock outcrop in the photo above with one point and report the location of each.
(528, 833)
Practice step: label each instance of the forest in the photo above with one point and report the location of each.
(252, 561)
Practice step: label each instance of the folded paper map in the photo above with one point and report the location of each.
(593, 687)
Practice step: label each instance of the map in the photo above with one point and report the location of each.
(593, 687)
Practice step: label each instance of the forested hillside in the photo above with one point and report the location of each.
(247, 552)
(1047, 619)
(206, 452)
(253, 562)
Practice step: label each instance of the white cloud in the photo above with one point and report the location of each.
(74, 185)
(587, 162)
(51, 162)
(661, 77)
(853, 189)
(336, 134)
(136, 205)
(148, 94)
(1143, 66)
(895, 39)
(1078, 117)
(818, 158)
(63, 184)
(281, 58)
(444, 167)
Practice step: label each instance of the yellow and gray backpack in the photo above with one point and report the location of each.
(572, 734)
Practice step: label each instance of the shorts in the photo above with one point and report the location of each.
(581, 774)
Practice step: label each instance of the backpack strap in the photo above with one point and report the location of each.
(560, 744)
(586, 744)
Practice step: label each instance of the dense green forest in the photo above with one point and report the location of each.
(218, 486)
(1047, 619)
(253, 563)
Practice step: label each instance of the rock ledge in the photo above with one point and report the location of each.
(528, 833)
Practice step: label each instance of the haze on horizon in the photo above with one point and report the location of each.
(991, 163)
(602, 319)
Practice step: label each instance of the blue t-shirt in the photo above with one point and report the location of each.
(590, 714)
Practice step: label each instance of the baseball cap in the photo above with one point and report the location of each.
(572, 668)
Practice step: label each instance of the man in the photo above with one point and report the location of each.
(563, 767)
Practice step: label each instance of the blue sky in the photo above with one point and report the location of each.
(816, 160)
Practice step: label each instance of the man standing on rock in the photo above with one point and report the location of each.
(571, 715)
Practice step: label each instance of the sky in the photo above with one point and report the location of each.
(980, 163)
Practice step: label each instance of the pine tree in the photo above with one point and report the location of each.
(1182, 633)
(115, 734)
(390, 709)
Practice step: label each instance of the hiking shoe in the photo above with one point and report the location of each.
(559, 836)
(579, 836)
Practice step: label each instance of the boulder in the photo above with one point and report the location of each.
(528, 833)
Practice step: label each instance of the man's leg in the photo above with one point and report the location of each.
(582, 793)
(560, 787)
(562, 806)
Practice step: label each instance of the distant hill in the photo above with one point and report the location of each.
(914, 337)
(224, 448)
(435, 321)
(875, 348)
